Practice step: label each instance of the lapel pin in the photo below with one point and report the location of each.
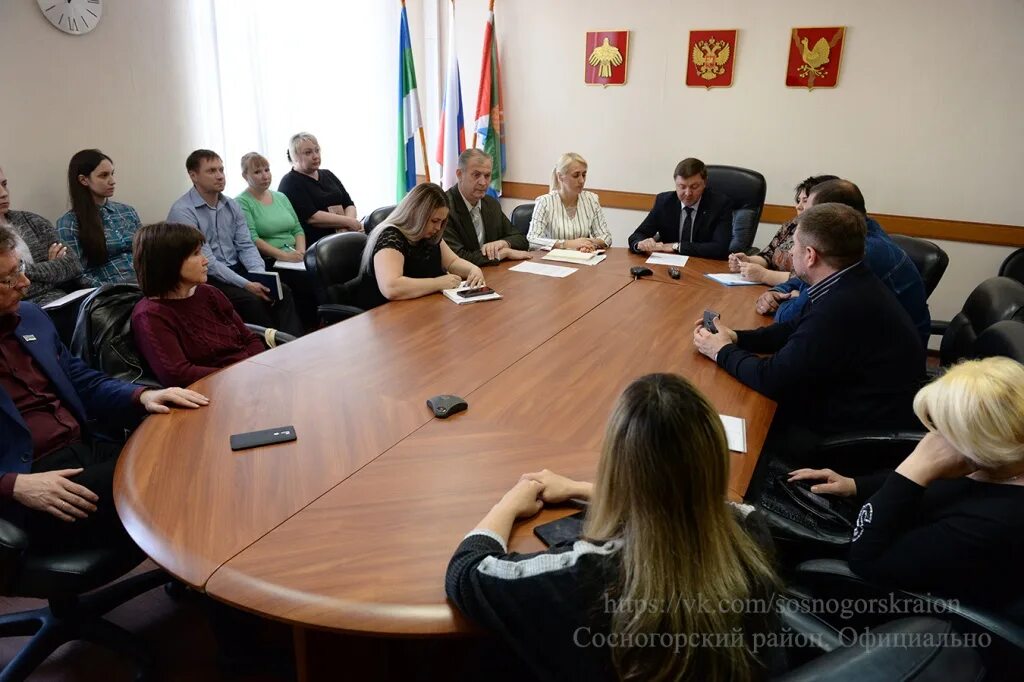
(29, 337)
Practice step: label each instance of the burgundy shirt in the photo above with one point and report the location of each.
(51, 424)
(184, 339)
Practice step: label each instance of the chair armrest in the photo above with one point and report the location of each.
(12, 538)
(279, 336)
(330, 313)
(939, 327)
(859, 452)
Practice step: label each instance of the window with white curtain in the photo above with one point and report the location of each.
(265, 70)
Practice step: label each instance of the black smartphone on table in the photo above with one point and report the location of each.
(709, 321)
(562, 530)
(254, 439)
(473, 293)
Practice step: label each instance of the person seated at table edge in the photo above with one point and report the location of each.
(694, 220)
(478, 230)
(184, 328)
(658, 526)
(852, 360)
(957, 501)
(568, 217)
(51, 465)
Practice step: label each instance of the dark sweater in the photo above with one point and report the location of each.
(959, 538)
(851, 360)
(185, 339)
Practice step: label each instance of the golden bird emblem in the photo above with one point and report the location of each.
(604, 57)
(710, 57)
(814, 59)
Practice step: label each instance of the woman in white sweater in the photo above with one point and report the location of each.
(567, 217)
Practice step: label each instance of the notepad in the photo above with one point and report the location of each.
(270, 280)
(289, 265)
(452, 295)
(731, 279)
(576, 257)
(673, 259)
(735, 432)
(63, 300)
(541, 269)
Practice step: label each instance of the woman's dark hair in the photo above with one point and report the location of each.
(158, 252)
(810, 182)
(83, 205)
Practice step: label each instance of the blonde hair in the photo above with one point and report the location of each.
(410, 217)
(297, 139)
(660, 489)
(250, 160)
(564, 161)
(978, 406)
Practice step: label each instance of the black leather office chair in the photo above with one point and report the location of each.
(333, 262)
(522, 215)
(747, 189)
(928, 257)
(103, 334)
(1004, 338)
(1013, 266)
(995, 299)
(1003, 658)
(376, 218)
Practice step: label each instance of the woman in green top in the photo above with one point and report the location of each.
(272, 221)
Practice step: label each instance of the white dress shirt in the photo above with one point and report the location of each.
(551, 222)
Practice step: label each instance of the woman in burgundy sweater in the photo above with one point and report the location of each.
(184, 328)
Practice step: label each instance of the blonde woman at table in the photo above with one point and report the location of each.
(658, 528)
(406, 257)
(568, 217)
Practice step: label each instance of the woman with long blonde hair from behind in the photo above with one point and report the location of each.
(629, 600)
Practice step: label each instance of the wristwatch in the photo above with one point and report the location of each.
(675, 247)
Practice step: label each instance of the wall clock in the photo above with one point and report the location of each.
(75, 17)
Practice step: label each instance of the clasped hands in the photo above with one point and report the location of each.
(651, 245)
(529, 494)
(747, 267)
(708, 343)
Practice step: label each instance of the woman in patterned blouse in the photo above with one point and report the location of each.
(97, 229)
(567, 217)
(774, 264)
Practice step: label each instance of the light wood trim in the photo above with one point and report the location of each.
(928, 228)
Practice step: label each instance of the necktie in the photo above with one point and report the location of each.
(478, 223)
(686, 231)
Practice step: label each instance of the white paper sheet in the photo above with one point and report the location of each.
(288, 265)
(452, 295)
(67, 299)
(542, 269)
(673, 259)
(735, 432)
(731, 279)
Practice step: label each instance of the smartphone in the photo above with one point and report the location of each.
(562, 530)
(473, 293)
(254, 439)
(709, 321)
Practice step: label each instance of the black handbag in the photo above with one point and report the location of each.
(795, 514)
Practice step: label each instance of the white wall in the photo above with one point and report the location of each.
(925, 118)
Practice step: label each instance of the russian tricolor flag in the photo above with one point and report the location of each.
(451, 140)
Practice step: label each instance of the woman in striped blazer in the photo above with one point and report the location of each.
(567, 217)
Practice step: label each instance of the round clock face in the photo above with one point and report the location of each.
(72, 16)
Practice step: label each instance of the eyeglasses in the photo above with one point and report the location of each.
(12, 280)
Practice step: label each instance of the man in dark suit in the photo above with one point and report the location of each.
(852, 359)
(478, 230)
(52, 471)
(693, 220)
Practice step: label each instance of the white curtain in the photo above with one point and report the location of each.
(265, 70)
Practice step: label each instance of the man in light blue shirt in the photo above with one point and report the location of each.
(229, 247)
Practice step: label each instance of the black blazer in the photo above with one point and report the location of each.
(712, 225)
(851, 360)
(461, 236)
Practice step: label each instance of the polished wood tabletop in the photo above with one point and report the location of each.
(351, 526)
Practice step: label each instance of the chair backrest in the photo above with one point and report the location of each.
(332, 261)
(376, 218)
(103, 334)
(747, 189)
(522, 215)
(1013, 266)
(1005, 338)
(928, 257)
(994, 300)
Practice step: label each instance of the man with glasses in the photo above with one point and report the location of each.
(56, 479)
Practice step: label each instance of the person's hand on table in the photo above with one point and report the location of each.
(160, 401)
(448, 281)
(753, 271)
(648, 245)
(514, 254)
(56, 494)
(709, 344)
(832, 483)
(475, 277)
(735, 259)
(558, 488)
(524, 499)
(582, 244)
(493, 250)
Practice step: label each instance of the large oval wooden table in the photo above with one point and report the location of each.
(350, 527)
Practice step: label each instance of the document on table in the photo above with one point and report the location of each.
(735, 432)
(541, 269)
(288, 265)
(453, 295)
(575, 257)
(667, 259)
(67, 299)
(731, 279)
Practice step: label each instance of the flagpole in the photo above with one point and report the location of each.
(423, 141)
(491, 10)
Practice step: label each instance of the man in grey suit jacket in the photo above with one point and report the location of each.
(478, 230)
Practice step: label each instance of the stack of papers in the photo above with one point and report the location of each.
(288, 265)
(453, 296)
(577, 257)
(673, 259)
(731, 279)
(735, 432)
(541, 269)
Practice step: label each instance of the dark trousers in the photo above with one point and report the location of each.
(254, 310)
(303, 293)
(101, 528)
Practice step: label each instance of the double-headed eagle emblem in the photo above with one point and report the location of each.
(604, 57)
(710, 57)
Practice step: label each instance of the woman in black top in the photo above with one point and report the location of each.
(405, 257)
(950, 519)
(316, 194)
(665, 583)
